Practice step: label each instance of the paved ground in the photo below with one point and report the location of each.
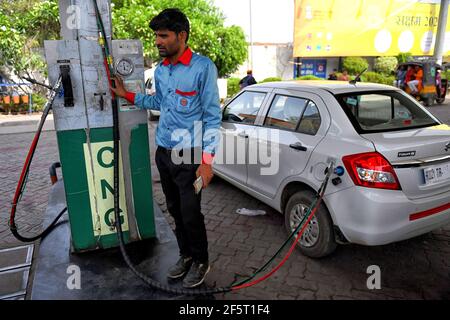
(416, 269)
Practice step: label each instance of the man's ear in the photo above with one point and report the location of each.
(182, 36)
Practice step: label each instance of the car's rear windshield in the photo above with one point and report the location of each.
(383, 111)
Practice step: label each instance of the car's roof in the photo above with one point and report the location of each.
(332, 86)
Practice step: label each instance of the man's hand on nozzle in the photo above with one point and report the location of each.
(120, 88)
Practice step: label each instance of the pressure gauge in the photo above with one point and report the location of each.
(124, 67)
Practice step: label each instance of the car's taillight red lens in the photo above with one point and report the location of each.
(371, 170)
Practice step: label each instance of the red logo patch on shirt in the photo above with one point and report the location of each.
(184, 102)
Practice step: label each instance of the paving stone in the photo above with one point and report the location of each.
(414, 269)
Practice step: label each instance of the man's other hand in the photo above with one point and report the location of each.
(205, 170)
(120, 88)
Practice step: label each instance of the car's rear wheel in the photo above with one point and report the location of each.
(318, 239)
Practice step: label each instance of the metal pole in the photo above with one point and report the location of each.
(251, 36)
(440, 37)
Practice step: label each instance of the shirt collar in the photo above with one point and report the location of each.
(185, 58)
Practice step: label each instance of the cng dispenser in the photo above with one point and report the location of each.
(83, 123)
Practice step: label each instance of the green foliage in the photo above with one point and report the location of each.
(24, 25)
(11, 43)
(271, 79)
(354, 65)
(232, 86)
(231, 51)
(385, 65)
(42, 22)
(225, 46)
(404, 57)
(39, 101)
(308, 77)
(375, 77)
(445, 74)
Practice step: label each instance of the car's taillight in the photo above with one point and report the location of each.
(371, 170)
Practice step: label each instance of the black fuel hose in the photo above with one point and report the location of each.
(24, 175)
(116, 153)
(116, 137)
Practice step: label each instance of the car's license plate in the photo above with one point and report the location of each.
(437, 173)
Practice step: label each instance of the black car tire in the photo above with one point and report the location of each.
(326, 243)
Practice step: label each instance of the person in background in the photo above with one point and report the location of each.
(416, 84)
(248, 80)
(333, 75)
(344, 76)
(438, 83)
(400, 77)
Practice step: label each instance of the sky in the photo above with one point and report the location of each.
(272, 21)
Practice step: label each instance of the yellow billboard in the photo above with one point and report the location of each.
(333, 28)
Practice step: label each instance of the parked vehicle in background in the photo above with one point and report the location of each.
(432, 88)
(150, 90)
(395, 154)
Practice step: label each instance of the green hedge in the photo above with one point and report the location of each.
(385, 65)
(38, 102)
(376, 77)
(232, 86)
(308, 77)
(445, 74)
(354, 65)
(271, 79)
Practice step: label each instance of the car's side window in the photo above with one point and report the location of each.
(310, 122)
(244, 108)
(285, 112)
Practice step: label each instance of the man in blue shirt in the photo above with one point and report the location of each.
(187, 96)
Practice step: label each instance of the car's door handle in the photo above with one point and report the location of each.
(243, 134)
(298, 146)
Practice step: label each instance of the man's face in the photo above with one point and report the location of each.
(168, 42)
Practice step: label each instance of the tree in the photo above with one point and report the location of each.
(24, 25)
(404, 57)
(385, 65)
(231, 51)
(355, 65)
(225, 46)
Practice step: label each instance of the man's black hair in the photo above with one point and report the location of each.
(171, 19)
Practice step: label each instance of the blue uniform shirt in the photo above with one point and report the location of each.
(188, 99)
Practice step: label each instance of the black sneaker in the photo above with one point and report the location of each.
(196, 275)
(180, 268)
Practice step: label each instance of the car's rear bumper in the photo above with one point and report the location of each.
(376, 217)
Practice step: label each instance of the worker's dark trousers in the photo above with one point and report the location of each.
(183, 204)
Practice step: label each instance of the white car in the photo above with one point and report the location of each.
(395, 157)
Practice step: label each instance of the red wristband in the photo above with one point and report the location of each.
(130, 97)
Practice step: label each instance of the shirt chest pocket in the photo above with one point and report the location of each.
(185, 100)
